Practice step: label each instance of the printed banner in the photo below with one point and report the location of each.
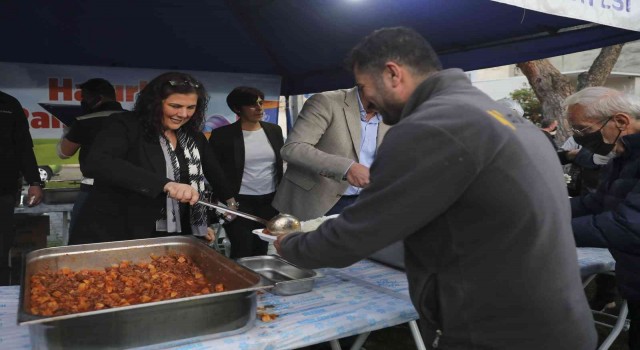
(615, 13)
(50, 96)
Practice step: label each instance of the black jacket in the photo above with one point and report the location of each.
(130, 174)
(86, 127)
(613, 213)
(228, 146)
(16, 146)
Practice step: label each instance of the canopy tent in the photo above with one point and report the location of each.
(304, 42)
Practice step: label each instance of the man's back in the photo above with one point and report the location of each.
(499, 228)
(86, 127)
(16, 146)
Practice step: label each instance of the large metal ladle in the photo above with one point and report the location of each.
(278, 225)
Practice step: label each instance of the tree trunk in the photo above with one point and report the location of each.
(601, 67)
(551, 88)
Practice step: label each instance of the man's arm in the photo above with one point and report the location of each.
(312, 123)
(66, 148)
(618, 229)
(24, 147)
(399, 187)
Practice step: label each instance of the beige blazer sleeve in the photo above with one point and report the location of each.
(318, 120)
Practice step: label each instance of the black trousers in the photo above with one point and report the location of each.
(634, 329)
(243, 242)
(7, 227)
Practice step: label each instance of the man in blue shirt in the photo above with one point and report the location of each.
(329, 152)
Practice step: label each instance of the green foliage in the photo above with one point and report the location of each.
(529, 102)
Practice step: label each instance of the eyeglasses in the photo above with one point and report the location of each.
(184, 83)
(582, 132)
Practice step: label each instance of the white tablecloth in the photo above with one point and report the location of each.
(364, 297)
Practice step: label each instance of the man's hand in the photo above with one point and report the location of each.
(34, 195)
(182, 192)
(571, 155)
(358, 175)
(276, 244)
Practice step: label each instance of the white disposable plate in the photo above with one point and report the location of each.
(264, 236)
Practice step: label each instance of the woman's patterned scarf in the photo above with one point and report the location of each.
(198, 214)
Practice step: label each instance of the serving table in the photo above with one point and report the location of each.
(364, 297)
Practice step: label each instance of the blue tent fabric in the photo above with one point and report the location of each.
(305, 42)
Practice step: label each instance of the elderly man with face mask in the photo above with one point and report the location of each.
(604, 120)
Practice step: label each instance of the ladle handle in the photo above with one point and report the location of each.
(233, 211)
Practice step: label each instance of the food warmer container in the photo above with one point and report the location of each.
(63, 195)
(206, 316)
(287, 278)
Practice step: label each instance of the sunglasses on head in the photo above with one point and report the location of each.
(184, 83)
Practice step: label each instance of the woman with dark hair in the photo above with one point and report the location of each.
(249, 153)
(150, 165)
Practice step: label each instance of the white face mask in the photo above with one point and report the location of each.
(553, 133)
(602, 160)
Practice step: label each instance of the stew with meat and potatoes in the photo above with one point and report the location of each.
(62, 292)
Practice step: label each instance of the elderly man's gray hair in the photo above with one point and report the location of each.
(601, 102)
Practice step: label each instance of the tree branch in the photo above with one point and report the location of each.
(601, 67)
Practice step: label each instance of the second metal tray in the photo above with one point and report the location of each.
(287, 278)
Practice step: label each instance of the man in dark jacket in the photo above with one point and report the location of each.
(456, 179)
(605, 120)
(17, 158)
(98, 102)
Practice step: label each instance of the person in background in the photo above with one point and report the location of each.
(249, 154)
(550, 128)
(584, 169)
(149, 167)
(17, 159)
(97, 103)
(605, 120)
(459, 178)
(328, 153)
(513, 105)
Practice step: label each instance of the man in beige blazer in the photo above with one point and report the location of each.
(323, 152)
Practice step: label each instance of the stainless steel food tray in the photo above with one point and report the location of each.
(60, 195)
(204, 316)
(287, 278)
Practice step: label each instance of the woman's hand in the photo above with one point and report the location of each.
(182, 192)
(211, 235)
(232, 204)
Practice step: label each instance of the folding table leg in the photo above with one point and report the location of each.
(417, 337)
(335, 344)
(357, 344)
(617, 328)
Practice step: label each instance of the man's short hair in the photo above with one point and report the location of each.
(602, 102)
(545, 123)
(243, 96)
(98, 87)
(399, 44)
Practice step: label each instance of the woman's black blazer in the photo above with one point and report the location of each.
(228, 146)
(130, 175)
